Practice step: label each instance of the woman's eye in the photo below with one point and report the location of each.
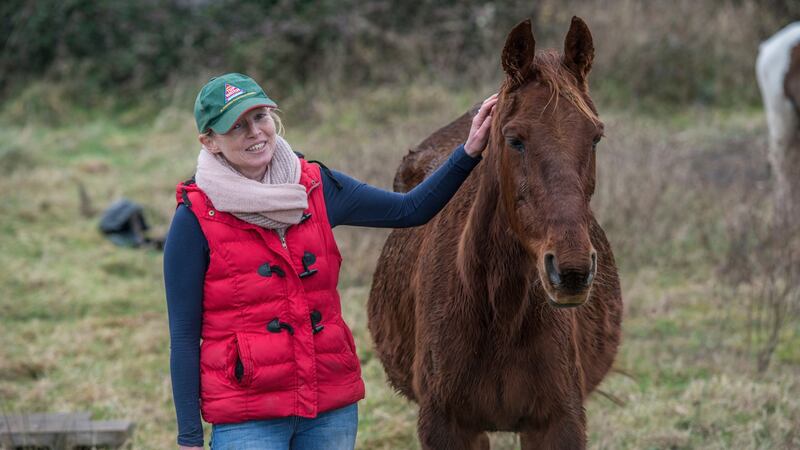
(261, 116)
(516, 144)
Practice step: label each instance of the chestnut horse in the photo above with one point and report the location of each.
(474, 315)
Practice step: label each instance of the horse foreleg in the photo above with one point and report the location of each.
(437, 432)
(568, 433)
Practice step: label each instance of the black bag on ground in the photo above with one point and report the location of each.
(123, 224)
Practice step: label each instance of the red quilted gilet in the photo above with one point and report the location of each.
(273, 341)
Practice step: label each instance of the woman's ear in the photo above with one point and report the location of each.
(209, 143)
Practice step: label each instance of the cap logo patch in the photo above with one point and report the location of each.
(232, 92)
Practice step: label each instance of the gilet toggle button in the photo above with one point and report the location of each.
(266, 270)
(308, 259)
(316, 318)
(275, 326)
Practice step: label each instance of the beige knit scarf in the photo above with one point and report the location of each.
(275, 202)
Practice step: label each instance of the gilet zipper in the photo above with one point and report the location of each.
(282, 237)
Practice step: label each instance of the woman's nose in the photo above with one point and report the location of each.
(253, 129)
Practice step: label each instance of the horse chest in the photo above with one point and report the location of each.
(509, 391)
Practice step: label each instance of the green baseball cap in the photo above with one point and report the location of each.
(225, 98)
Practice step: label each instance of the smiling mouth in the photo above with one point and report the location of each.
(255, 148)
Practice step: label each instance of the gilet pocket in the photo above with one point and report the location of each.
(241, 366)
(351, 345)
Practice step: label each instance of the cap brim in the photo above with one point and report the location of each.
(227, 119)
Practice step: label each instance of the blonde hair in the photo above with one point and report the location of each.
(273, 112)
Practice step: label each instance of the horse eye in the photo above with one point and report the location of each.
(595, 142)
(516, 144)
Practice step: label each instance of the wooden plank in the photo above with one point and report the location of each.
(113, 433)
(63, 430)
(39, 429)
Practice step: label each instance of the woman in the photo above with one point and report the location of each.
(251, 267)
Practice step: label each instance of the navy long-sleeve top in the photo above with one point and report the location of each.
(186, 260)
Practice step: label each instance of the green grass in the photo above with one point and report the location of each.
(83, 324)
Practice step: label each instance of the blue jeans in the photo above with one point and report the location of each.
(331, 430)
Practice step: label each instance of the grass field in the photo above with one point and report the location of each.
(83, 324)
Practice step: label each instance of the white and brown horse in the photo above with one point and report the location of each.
(778, 73)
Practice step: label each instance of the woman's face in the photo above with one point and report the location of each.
(248, 145)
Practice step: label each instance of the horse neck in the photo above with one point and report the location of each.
(498, 274)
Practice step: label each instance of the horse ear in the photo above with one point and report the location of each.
(518, 52)
(579, 50)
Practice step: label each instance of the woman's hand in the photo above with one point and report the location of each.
(479, 131)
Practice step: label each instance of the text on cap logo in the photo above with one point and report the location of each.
(232, 92)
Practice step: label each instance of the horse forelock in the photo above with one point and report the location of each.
(550, 70)
(563, 83)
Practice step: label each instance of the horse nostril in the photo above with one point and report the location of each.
(592, 270)
(550, 267)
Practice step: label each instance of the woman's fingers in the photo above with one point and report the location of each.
(479, 131)
(486, 106)
(487, 116)
(483, 119)
(482, 133)
(486, 123)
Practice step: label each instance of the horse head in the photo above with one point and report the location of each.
(542, 152)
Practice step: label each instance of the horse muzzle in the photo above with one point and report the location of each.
(568, 286)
